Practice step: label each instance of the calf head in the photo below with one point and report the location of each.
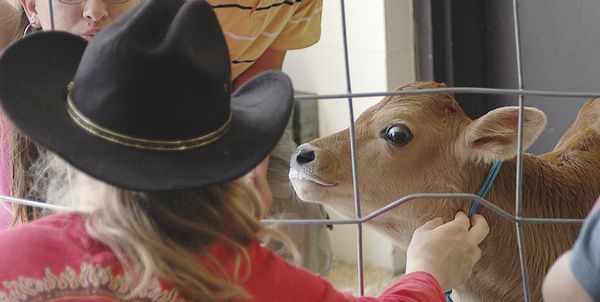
(405, 145)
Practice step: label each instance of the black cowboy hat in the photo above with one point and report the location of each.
(147, 104)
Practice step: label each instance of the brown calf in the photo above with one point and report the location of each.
(426, 144)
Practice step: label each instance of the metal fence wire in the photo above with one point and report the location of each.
(517, 219)
(359, 220)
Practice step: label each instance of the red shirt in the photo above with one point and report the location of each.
(54, 258)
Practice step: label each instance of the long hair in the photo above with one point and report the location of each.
(22, 153)
(162, 234)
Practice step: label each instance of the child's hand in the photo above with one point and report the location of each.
(448, 251)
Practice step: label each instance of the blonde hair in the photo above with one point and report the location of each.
(161, 234)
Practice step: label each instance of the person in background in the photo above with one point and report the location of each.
(10, 30)
(575, 275)
(169, 215)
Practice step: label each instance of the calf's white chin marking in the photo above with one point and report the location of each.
(297, 176)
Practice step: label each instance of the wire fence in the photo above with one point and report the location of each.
(517, 219)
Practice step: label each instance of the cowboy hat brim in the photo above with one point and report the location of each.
(35, 72)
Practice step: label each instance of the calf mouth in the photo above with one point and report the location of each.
(296, 175)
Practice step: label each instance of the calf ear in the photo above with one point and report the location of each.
(494, 135)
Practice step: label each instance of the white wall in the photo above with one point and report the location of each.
(381, 56)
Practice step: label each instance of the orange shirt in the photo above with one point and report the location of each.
(252, 26)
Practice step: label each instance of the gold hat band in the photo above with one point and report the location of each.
(142, 143)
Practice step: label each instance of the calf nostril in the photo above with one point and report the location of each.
(304, 156)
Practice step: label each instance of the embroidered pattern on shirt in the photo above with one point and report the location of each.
(91, 281)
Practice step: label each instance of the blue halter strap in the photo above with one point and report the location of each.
(487, 184)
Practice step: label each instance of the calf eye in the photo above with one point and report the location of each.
(397, 134)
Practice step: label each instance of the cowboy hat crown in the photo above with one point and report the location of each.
(164, 66)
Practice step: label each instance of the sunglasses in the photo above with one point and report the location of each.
(75, 2)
